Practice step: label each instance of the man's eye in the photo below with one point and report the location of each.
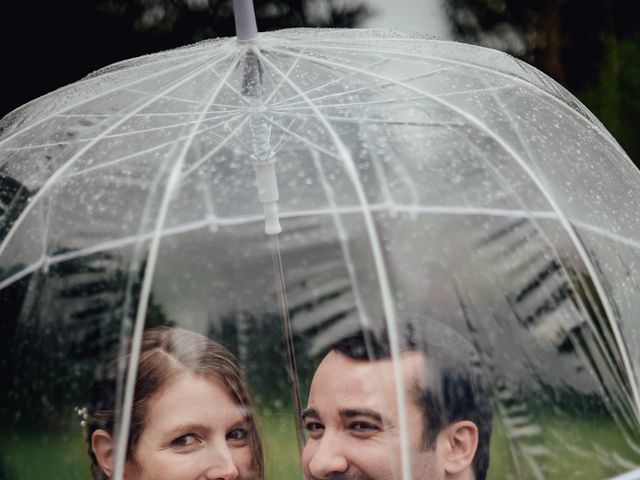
(363, 427)
(184, 440)
(313, 427)
(238, 434)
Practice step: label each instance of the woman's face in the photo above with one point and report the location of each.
(194, 430)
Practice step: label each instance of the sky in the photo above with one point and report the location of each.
(422, 16)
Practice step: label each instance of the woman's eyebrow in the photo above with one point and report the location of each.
(200, 427)
(186, 428)
(362, 412)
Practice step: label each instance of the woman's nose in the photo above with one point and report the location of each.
(328, 458)
(222, 466)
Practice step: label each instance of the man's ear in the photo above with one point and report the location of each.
(460, 444)
(102, 446)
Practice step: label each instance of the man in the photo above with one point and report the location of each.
(353, 419)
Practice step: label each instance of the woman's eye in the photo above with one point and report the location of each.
(238, 434)
(184, 440)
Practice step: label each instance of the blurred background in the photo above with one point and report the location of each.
(592, 47)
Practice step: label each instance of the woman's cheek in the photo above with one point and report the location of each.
(244, 462)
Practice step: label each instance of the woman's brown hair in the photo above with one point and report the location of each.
(164, 353)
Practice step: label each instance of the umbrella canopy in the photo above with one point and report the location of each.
(381, 177)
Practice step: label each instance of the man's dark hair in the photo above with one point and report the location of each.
(459, 390)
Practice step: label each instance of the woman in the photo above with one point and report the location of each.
(191, 417)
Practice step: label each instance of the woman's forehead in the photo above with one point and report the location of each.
(191, 397)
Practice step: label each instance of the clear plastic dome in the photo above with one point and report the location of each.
(402, 181)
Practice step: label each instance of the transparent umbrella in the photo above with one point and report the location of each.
(277, 191)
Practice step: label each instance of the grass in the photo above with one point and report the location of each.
(570, 449)
(33, 456)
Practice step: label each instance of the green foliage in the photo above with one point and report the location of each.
(591, 47)
(258, 342)
(614, 96)
(58, 324)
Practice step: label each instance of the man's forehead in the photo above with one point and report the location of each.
(366, 381)
(410, 362)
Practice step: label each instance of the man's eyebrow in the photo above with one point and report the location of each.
(362, 412)
(309, 412)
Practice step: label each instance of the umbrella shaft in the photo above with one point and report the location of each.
(245, 18)
(292, 371)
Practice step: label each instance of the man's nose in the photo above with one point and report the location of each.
(328, 458)
(222, 466)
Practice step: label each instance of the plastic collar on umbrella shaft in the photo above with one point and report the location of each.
(245, 19)
(268, 196)
(271, 218)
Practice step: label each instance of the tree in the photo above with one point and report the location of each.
(56, 43)
(589, 46)
(58, 324)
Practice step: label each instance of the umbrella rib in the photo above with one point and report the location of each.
(401, 169)
(630, 475)
(532, 157)
(215, 150)
(373, 120)
(142, 152)
(116, 135)
(564, 221)
(281, 82)
(209, 206)
(163, 127)
(325, 85)
(383, 279)
(354, 104)
(140, 115)
(303, 139)
(381, 176)
(233, 89)
(342, 237)
(364, 89)
(46, 223)
(184, 100)
(513, 77)
(97, 76)
(475, 90)
(439, 95)
(145, 291)
(61, 171)
(102, 94)
(378, 207)
(538, 230)
(284, 139)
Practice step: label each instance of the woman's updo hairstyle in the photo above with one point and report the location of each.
(165, 353)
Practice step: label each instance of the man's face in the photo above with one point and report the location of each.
(352, 420)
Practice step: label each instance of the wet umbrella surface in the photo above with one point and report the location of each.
(381, 177)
